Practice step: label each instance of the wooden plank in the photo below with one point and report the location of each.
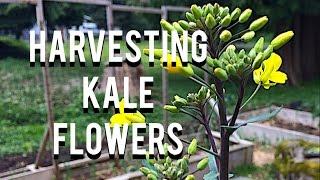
(109, 16)
(164, 77)
(136, 9)
(47, 85)
(13, 172)
(177, 8)
(92, 2)
(19, 1)
(42, 147)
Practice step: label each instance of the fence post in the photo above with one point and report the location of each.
(47, 87)
(109, 16)
(165, 83)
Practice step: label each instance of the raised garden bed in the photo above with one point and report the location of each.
(240, 153)
(289, 124)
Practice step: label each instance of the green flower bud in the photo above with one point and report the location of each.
(221, 74)
(157, 53)
(145, 171)
(210, 21)
(169, 172)
(258, 23)
(183, 164)
(210, 7)
(257, 61)
(166, 26)
(252, 53)
(151, 177)
(231, 52)
(213, 62)
(225, 35)
(192, 24)
(150, 161)
(192, 148)
(215, 9)
(191, 97)
(245, 15)
(248, 36)
(199, 24)
(190, 177)
(224, 11)
(235, 14)
(241, 66)
(196, 11)
(168, 160)
(177, 27)
(231, 69)
(231, 48)
(202, 93)
(203, 164)
(172, 109)
(281, 39)
(159, 167)
(225, 21)
(184, 24)
(179, 101)
(186, 158)
(190, 17)
(189, 40)
(225, 61)
(180, 173)
(166, 165)
(182, 100)
(242, 54)
(206, 11)
(259, 45)
(247, 60)
(267, 52)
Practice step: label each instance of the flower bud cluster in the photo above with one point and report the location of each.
(233, 63)
(166, 168)
(216, 19)
(192, 99)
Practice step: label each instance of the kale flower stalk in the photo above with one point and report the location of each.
(226, 61)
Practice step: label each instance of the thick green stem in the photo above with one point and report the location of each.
(224, 159)
(224, 136)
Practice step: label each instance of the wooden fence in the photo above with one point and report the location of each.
(110, 7)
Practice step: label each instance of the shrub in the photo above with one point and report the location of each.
(10, 47)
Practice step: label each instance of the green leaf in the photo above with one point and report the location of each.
(146, 164)
(259, 118)
(264, 116)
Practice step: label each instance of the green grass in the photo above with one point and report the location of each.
(23, 110)
(266, 172)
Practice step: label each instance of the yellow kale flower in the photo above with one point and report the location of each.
(122, 118)
(268, 75)
(178, 68)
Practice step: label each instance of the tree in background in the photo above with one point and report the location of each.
(13, 17)
(17, 17)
